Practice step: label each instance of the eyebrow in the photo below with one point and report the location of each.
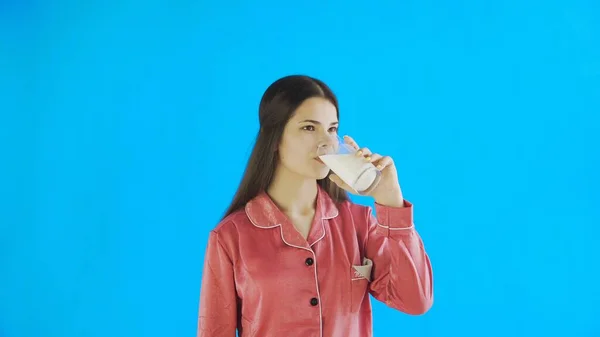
(317, 122)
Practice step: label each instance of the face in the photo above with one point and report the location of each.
(314, 124)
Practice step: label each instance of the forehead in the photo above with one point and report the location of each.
(316, 108)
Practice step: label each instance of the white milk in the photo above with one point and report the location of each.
(353, 170)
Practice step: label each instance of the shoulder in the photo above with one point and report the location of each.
(227, 231)
(355, 209)
(358, 215)
(230, 222)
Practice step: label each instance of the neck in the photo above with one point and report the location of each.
(293, 194)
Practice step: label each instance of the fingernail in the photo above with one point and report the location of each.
(359, 153)
(379, 167)
(368, 158)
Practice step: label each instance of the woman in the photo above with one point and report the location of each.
(293, 256)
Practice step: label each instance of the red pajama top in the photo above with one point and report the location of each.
(264, 279)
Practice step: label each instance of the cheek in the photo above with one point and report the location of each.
(295, 152)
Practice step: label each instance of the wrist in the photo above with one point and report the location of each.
(396, 201)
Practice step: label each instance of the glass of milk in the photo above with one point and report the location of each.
(354, 170)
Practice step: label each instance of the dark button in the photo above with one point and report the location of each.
(314, 301)
(309, 261)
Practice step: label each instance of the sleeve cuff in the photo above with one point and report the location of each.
(394, 218)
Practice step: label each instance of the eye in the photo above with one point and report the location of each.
(308, 128)
(333, 129)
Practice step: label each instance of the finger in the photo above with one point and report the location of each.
(383, 162)
(373, 158)
(350, 141)
(363, 152)
(341, 183)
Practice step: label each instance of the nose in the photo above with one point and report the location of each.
(323, 149)
(327, 140)
(326, 143)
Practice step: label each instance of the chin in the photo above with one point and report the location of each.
(317, 172)
(322, 174)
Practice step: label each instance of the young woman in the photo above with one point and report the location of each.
(293, 256)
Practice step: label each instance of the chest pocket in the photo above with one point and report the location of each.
(360, 279)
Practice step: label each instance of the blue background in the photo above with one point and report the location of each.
(126, 126)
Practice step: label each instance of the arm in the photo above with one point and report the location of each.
(401, 276)
(218, 309)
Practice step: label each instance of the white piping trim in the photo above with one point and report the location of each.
(337, 212)
(315, 265)
(396, 228)
(319, 297)
(322, 236)
(317, 281)
(280, 231)
(282, 238)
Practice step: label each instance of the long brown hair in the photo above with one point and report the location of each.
(277, 106)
